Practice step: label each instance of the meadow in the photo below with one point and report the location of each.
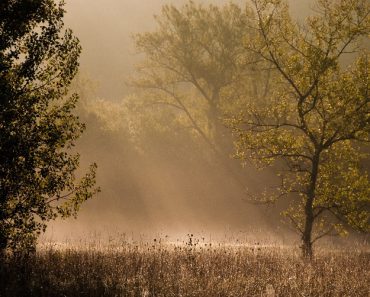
(189, 268)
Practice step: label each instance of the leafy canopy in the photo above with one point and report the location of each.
(38, 60)
(315, 117)
(190, 58)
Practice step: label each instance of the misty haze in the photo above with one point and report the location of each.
(184, 148)
(157, 192)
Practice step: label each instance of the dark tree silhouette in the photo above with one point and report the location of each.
(38, 60)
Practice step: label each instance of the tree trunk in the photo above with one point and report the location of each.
(307, 251)
(3, 244)
(309, 213)
(222, 137)
(3, 235)
(215, 125)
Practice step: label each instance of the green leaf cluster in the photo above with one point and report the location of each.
(38, 129)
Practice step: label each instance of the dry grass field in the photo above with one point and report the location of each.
(193, 268)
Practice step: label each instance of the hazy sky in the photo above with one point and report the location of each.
(105, 27)
(138, 194)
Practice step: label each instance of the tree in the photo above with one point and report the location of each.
(317, 119)
(38, 60)
(193, 56)
(190, 61)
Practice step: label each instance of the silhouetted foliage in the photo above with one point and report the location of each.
(38, 60)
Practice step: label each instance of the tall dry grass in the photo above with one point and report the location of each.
(193, 268)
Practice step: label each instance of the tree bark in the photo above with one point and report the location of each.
(3, 243)
(3, 235)
(307, 250)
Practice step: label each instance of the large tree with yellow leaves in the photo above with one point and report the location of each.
(317, 118)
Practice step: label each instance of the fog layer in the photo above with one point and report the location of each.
(159, 183)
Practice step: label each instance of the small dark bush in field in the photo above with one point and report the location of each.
(158, 269)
